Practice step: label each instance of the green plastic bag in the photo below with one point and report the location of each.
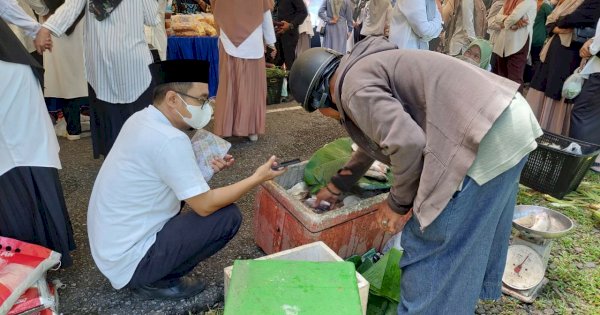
(329, 159)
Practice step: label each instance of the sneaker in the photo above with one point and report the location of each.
(253, 138)
(182, 289)
(85, 126)
(73, 137)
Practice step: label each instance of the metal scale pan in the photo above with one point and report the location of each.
(559, 223)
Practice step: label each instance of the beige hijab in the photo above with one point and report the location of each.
(239, 18)
(336, 6)
(563, 8)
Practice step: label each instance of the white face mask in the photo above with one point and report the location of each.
(200, 114)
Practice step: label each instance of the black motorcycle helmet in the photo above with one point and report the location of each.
(309, 77)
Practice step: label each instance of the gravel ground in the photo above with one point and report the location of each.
(291, 133)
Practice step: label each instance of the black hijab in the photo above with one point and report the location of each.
(12, 50)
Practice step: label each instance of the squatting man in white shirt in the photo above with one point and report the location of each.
(138, 237)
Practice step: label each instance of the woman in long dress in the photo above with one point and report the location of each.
(512, 45)
(65, 82)
(585, 117)
(242, 94)
(559, 58)
(337, 15)
(32, 204)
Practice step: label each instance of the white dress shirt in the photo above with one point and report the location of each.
(253, 47)
(149, 170)
(27, 136)
(116, 52)
(509, 42)
(593, 65)
(11, 12)
(410, 28)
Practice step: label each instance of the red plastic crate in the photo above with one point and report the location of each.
(282, 222)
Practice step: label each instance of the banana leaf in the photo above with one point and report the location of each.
(384, 277)
(329, 159)
(378, 305)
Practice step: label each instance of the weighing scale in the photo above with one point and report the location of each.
(529, 252)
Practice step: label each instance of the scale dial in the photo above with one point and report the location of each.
(524, 268)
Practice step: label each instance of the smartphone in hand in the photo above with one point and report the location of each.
(285, 164)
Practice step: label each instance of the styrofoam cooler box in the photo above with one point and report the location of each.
(282, 222)
(316, 251)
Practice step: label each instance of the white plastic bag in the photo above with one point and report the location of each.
(573, 84)
(61, 127)
(284, 91)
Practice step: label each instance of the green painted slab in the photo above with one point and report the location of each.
(283, 287)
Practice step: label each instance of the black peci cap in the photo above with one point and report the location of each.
(170, 71)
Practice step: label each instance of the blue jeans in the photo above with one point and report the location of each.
(460, 257)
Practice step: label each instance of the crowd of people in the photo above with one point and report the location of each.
(415, 63)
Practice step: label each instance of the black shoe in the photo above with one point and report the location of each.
(183, 289)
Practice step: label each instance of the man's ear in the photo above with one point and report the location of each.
(171, 99)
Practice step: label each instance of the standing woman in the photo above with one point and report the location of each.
(377, 18)
(585, 118)
(415, 23)
(337, 15)
(64, 78)
(559, 58)
(242, 94)
(305, 32)
(539, 35)
(32, 204)
(511, 47)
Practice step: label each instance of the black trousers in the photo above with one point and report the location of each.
(585, 116)
(107, 119)
(72, 111)
(184, 241)
(535, 61)
(357, 36)
(286, 48)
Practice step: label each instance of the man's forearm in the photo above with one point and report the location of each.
(358, 165)
(213, 200)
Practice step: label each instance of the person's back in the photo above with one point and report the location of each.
(136, 192)
(441, 119)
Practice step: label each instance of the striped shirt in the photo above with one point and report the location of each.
(116, 51)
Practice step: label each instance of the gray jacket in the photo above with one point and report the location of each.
(421, 112)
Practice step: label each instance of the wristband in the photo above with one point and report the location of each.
(330, 191)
